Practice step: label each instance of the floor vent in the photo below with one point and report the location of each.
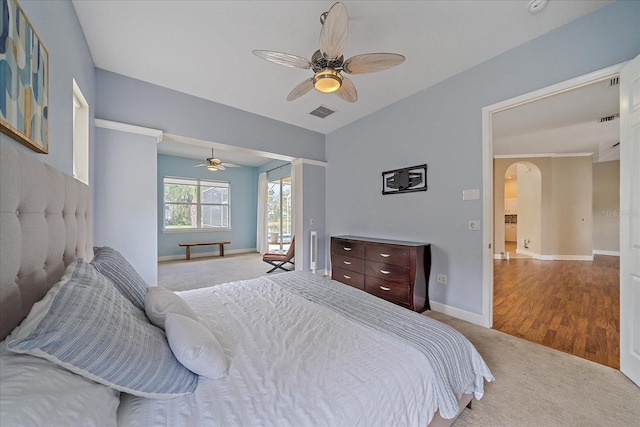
(322, 112)
(608, 118)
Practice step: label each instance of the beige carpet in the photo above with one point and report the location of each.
(535, 385)
(181, 275)
(539, 386)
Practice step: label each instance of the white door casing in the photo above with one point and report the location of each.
(630, 220)
(487, 172)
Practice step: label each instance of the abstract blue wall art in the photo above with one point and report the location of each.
(24, 80)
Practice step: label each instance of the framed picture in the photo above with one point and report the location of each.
(24, 80)
(405, 180)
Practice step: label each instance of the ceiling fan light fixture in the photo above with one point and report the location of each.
(212, 167)
(327, 80)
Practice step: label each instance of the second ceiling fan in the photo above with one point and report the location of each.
(214, 164)
(328, 62)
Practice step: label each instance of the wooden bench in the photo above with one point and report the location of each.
(188, 246)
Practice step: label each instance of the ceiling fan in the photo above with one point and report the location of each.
(214, 164)
(328, 62)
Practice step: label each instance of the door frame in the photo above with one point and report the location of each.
(487, 169)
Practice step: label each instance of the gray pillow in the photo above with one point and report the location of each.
(86, 326)
(112, 264)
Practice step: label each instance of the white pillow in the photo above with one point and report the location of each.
(35, 392)
(195, 346)
(160, 301)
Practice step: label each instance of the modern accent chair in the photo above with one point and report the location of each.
(279, 260)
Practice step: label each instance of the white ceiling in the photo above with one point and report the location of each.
(203, 48)
(562, 124)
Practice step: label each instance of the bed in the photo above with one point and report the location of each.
(85, 342)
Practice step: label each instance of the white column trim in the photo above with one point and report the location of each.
(301, 161)
(125, 127)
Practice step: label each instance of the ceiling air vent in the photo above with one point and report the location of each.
(614, 81)
(608, 118)
(322, 112)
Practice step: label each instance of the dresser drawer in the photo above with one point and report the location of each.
(348, 277)
(388, 272)
(394, 292)
(348, 263)
(347, 248)
(388, 255)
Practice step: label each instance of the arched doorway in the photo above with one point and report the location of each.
(522, 210)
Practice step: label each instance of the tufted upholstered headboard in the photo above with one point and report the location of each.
(45, 223)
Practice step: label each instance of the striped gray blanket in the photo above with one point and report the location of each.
(457, 366)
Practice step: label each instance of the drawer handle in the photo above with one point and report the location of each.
(384, 272)
(385, 288)
(347, 262)
(347, 249)
(346, 277)
(385, 255)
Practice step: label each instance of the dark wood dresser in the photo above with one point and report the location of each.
(395, 270)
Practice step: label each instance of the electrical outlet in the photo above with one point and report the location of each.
(474, 225)
(441, 278)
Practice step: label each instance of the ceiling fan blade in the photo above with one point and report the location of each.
(196, 166)
(347, 90)
(371, 62)
(220, 167)
(230, 165)
(300, 90)
(285, 59)
(333, 36)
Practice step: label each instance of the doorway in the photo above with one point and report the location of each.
(521, 214)
(492, 200)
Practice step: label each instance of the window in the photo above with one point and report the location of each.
(280, 213)
(195, 204)
(80, 135)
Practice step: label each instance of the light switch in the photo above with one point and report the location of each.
(474, 225)
(471, 194)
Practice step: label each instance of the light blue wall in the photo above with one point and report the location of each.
(57, 26)
(313, 188)
(276, 169)
(442, 127)
(127, 100)
(125, 198)
(244, 207)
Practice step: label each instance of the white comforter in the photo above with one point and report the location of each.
(293, 363)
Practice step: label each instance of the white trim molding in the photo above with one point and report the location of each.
(608, 253)
(572, 257)
(527, 156)
(215, 254)
(300, 161)
(125, 127)
(487, 168)
(458, 313)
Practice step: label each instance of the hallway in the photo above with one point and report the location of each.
(571, 306)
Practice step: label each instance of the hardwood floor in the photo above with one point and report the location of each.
(571, 306)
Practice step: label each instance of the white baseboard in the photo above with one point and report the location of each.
(555, 257)
(206, 254)
(457, 313)
(573, 257)
(322, 272)
(609, 253)
(529, 253)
